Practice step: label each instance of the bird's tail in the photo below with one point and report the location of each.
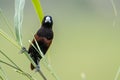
(38, 70)
(32, 66)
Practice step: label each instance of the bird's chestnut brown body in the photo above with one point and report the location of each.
(44, 38)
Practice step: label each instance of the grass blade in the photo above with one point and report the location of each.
(115, 12)
(7, 23)
(18, 19)
(38, 9)
(3, 74)
(9, 64)
(46, 64)
(114, 8)
(3, 34)
(15, 66)
(9, 59)
(25, 74)
(39, 51)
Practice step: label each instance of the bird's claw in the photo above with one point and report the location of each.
(37, 68)
(23, 49)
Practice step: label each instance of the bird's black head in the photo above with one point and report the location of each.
(47, 22)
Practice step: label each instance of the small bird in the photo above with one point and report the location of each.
(44, 38)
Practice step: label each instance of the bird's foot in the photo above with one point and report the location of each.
(37, 68)
(23, 49)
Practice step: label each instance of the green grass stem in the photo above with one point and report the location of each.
(25, 74)
(18, 19)
(9, 59)
(14, 66)
(8, 64)
(7, 23)
(115, 12)
(3, 74)
(47, 65)
(38, 9)
(40, 52)
(7, 37)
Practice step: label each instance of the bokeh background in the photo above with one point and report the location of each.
(86, 43)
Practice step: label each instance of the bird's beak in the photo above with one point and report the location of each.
(47, 20)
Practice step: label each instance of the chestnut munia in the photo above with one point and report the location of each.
(44, 38)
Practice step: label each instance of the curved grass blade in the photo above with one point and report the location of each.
(115, 12)
(25, 74)
(114, 8)
(9, 64)
(3, 34)
(38, 50)
(41, 53)
(2, 16)
(15, 66)
(18, 19)
(9, 59)
(38, 9)
(3, 74)
(46, 64)
(18, 70)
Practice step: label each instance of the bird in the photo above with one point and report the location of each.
(44, 37)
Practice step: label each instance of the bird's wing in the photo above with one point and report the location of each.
(40, 39)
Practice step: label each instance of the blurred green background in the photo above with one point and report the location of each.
(86, 45)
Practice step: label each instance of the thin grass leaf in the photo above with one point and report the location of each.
(39, 71)
(41, 53)
(46, 64)
(7, 23)
(115, 12)
(33, 46)
(114, 8)
(3, 34)
(38, 9)
(1, 61)
(30, 59)
(50, 69)
(15, 66)
(19, 6)
(3, 74)
(25, 74)
(9, 59)
(38, 49)
(18, 19)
